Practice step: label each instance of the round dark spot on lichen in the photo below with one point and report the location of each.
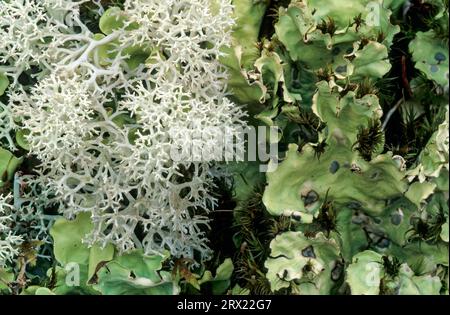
(384, 243)
(397, 217)
(440, 57)
(336, 51)
(337, 271)
(341, 69)
(434, 68)
(334, 167)
(310, 198)
(354, 205)
(308, 252)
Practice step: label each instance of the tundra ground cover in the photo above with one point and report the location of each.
(97, 97)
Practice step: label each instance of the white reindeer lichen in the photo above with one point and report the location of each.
(22, 220)
(8, 240)
(101, 115)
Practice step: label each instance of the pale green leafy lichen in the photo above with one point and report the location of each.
(309, 265)
(431, 56)
(303, 180)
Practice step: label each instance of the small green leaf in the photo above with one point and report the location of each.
(68, 236)
(114, 19)
(111, 20)
(221, 281)
(5, 277)
(4, 82)
(21, 140)
(418, 192)
(8, 165)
